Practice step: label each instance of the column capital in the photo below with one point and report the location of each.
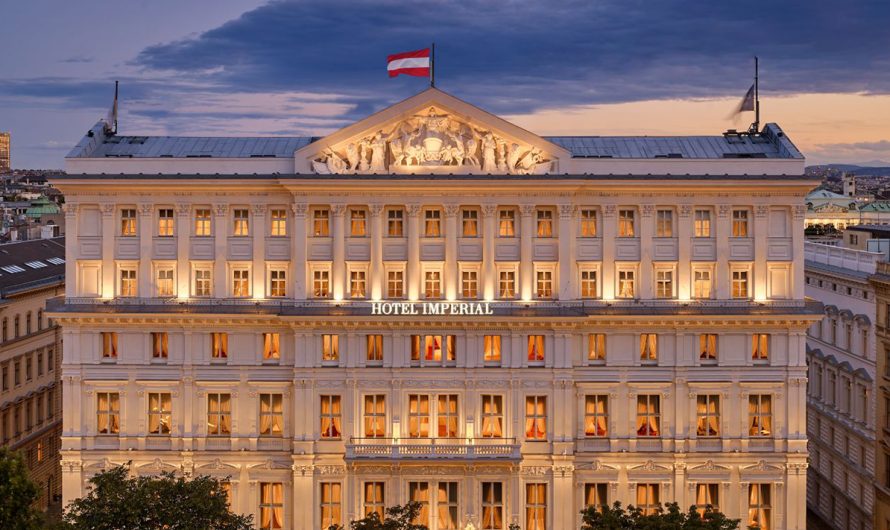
(489, 210)
(70, 208)
(413, 210)
(183, 209)
(609, 210)
(375, 209)
(646, 210)
(723, 210)
(451, 210)
(761, 210)
(526, 209)
(259, 209)
(220, 209)
(299, 208)
(145, 209)
(567, 211)
(338, 210)
(800, 211)
(685, 210)
(107, 209)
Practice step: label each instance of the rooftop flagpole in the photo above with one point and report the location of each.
(756, 94)
(433, 65)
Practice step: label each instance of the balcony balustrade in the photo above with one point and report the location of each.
(432, 448)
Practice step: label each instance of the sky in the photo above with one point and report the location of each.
(599, 67)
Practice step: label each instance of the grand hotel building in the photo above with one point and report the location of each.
(434, 304)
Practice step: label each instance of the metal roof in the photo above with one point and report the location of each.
(30, 264)
(193, 146)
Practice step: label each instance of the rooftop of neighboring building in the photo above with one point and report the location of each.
(27, 265)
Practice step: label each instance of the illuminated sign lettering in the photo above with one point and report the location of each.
(431, 308)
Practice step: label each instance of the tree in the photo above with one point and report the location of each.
(118, 502)
(395, 518)
(668, 518)
(17, 494)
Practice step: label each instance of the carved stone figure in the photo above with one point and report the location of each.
(352, 156)
(471, 159)
(363, 148)
(502, 156)
(489, 145)
(513, 158)
(378, 153)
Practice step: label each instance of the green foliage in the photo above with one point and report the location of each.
(395, 518)
(17, 494)
(667, 518)
(117, 501)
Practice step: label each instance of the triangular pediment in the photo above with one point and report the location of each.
(431, 133)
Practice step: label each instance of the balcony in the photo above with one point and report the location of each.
(432, 449)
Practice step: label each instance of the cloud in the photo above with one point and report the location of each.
(78, 59)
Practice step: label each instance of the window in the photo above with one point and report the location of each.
(17, 374)
(596, 415)
(271, 505)
(202, 223)
(648, 347)
(203, 283)
(159, 413)
(375, 416)
(128, 283)
(647, 498)
(395, 223)
(279, 223)
(649, 415)
(16, 327)
(165, 282)
(536, 348)
(330, 417)
(536, 417)
(701, 284)
(447, 416)
(470, 219)
(374, 349)
(740, 223)
(39, 363)
(109, 345)
(128, 222)
(160, 345)
(491, 349)
(446, 504)
(321, 283)
(374, 499)
(5, 329)
(596, 347)
(108, 413)
(395, 284)
(707, 414)
(418, 416)
(507, 284)
(702, 223)
(545, 223)
(357, 284)
(330, 348)
(271, 415)
(760, 415)
(506, 223)
(664, 284)
(492, 416)
(469, 284)
(28, 323)
(271, 346)
(596, 495)
(536, 506)
(492, 505)
(432, 284)
(544, 284)
(241, 226)
(759, 508)
(219, 345)
(433, 348)
(419, 492)
(240, 283)
(707, 347)
(358, 223)
(321, 226)
(219, 414)
(5, 377)
(760, 347)
(664, 223)
(588, 284)
(740, 284)
(432, 223)
(625, 223)
(626, 287)
(277, 283)
(588, 223)
(165, 222)
(707, 495)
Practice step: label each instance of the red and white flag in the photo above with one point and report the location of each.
(416, 63)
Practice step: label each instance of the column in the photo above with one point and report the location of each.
(146, 245)
(412, 271)
(567, 252)
(489, 273)
(761, 238)
(646, 242)
(183, 238)
(610, 232)
(258, 233)
(684, 257)
(338, 242)
(375, 272)
(797, 238)
(220, 249)
(108, 251)
(72, 249)
(526, 252)
(564, 513)
(298, 250)
(451, 229)
(721, 279)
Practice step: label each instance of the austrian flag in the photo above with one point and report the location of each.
(415, 63)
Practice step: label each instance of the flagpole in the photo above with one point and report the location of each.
(115, 106)
(433, 65)
(756, 94)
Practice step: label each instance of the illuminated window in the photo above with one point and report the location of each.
(395, 223)
(279, 223)
(707, 415)
(418, 416)
(507, 284)
(357, 284)
(419, 492)
(707, 495)
(321, 225)
(165, 222)
(447, 415)
(271, 346)
(626, 284)
(760, 347)
(740, 284)
(432, 284)
(271, 415)
(240, 283)
(271, 505)
(375, 416)
(596, 495)
(395, 284)
(432, 223)
(545, 223)
(358, 223)
(202, 222)
(664, 283)
(596, 347)
(219, 414)
(128, 222)
(165, 282)
(760, 415)
(648, 498)
(664, 223)
(330, 417)
(330, 504)
(740, 223)
(588, 284)
(374, 499)
(108, 413)
(702, 223)
(649, 415)
(159, 413)
(203, 283)
(626, 223)
(277, 283)
(596, 415)
(536, 417)
(492, 505)
(701, 284)
(506, 223)
(427, 349)
(536, 348)
(375, 349)
(707, 347)
(588, 223)
(446, 506)
(536, 506)
(491, 348)
(128, 282)
(241, 227)
(648, 347)
(160, 345)
(492, 416)
(470, 221)
(219, 345)
(330, 347)
(469, 283)
(759, 507)
(109, 345)
(544, 284)
(321, 283)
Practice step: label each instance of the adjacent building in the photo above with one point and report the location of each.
(434, 304)
(5, 166)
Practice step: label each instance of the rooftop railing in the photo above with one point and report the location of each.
(433, 448)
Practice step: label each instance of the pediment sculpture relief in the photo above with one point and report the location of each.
(437, 143)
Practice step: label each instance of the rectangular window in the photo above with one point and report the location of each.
(648, 347)
(433, 348)
(241, 219)
(588, 284)
(470, 221)
(595, 495)
(536, 348)
(536, 417)
(536, 506)
(702, 223)
(418, 416)
(330, 348)
(321, 226)
(357, 284)
(165, 282)
(506, 223)
(492, 506)
(271, 346)
(432, 226)
(395, 284)
(596, 347)
(330, 417)
(707, 347)
(447, 416)
(160, 345)
(271, 505)
(469, 284)
(432, 284)
(109, 345)
(202, 223)
(544, 284)
(664, 284)
(279, 223)
(159, 413)
(219, 414)
(707, 495)
(321, 283)
(108, 413)
(740, 284)
(740, 223)
(507, 284)
(596, 415)
(588, 223)
(165, 222)
(374, 500)
(219, 345)
(707, 415)
(278, 283)
(395, 223)
(203, 282)
(128, 282)
(358, 223)
(492, 416)
(374, 349)
(419, 492)
(545, 223)
(759, 507)
(446, 506)
(648, 499)
(649, 415)
(128, 222)
(271, 415)
(760, 347)
(626, 284)
(491, 349)
(664, 223)
(626, 223)
(760, 415)
(701, 284)
(375, 416)
(240, 283)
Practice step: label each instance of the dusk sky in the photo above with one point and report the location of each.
(603, 67)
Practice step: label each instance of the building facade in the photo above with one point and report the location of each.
(433, 304)
(881, 283)
(5, 166)
(32, 272)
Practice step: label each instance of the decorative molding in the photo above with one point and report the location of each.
(299, 208)
(723, 210)
(685, 210)
(220, 209)
(451, 210)
(646, 210)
